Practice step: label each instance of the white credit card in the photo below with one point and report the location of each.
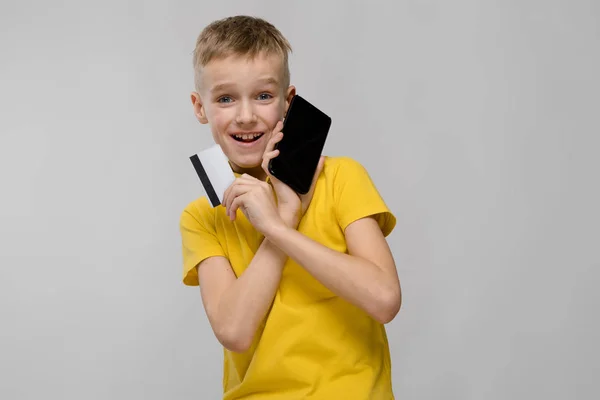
(214, 171)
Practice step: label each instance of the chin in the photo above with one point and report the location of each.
(247, 162)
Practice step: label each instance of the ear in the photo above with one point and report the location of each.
(199, 109)
(289, 95)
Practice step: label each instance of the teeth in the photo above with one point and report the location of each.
(247, 136)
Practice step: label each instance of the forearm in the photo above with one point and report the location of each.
(245, 302)
(357, 280)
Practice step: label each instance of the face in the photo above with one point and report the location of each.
(242, 99)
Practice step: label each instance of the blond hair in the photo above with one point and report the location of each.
(240, 35)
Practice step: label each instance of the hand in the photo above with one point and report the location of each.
(291, 205)
(255, 199)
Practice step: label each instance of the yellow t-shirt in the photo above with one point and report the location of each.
(312, 344)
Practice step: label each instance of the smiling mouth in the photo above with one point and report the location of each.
(247, 137)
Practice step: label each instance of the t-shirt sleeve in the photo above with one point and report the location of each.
(357, 197)
(199, 239)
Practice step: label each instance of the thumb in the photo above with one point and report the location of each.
(318, 171)
(319, 168)
(308, 196)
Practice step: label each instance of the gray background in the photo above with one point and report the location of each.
(478, 121)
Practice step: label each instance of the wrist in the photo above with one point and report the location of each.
(275, 230)
(290, 218)
(274, 251)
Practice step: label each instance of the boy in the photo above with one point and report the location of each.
(296, 288)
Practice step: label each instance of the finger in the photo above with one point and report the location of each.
(247, 178)
(275, 138)
(267, 159)
(272, 154)
(236, 191)
(226, 196)
(227, 192)
(242, 179)
(237, 203)
(268, 156)
(243, 184)
(278, 127)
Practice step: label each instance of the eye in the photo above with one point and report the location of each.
(224, 99)
(264, 96)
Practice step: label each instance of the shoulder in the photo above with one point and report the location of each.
(342, 170)
(341, 167)
(354, 193)
(198, 237)
(198, 211)
(338, 162)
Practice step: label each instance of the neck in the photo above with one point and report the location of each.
(256, 172)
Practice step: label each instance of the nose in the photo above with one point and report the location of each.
(246, 114)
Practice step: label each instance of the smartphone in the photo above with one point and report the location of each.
(305, 130)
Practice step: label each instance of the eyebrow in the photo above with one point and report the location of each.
(269, 81)
(224, 86)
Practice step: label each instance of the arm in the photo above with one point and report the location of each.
(236, 306)
(366, 277)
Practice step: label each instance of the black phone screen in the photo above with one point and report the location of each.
(305, 130)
